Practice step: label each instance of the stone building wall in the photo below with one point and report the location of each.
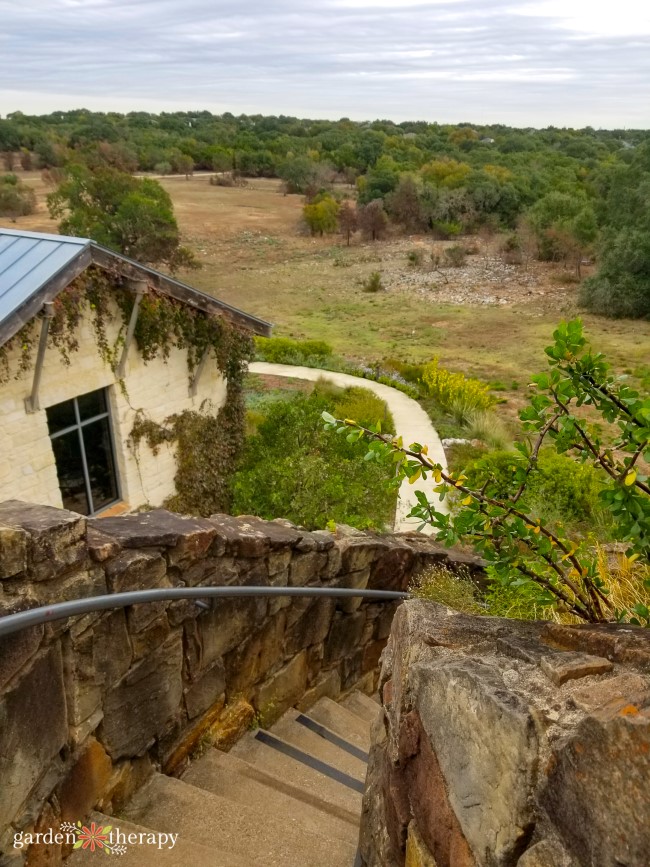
(88, 705)
(159, 388)
(509, 744)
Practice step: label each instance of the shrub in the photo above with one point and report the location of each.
(455, 589)
(284, 350)
(454, 257)
(415, 257)
(292, 469)
(16, 199)
(373, 283)
(455, 389)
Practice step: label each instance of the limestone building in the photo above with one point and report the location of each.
(90, 342)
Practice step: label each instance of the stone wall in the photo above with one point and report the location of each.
(89, 705)
(158, 388)
(507, 743)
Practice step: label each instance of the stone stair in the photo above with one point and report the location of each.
(289, 795)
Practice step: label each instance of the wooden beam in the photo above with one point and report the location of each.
(194, 384)
(140, 288)
(117, 264)
(32, 402)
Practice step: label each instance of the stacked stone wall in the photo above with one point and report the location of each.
(90, 705)
(509, 744)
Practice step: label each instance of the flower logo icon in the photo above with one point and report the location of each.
(93, 837)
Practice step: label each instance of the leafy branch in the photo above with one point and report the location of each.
(523, 551)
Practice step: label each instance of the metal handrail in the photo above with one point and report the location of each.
(11, 623)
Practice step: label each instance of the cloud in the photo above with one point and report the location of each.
(565, 62)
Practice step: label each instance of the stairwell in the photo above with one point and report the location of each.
(289, 795)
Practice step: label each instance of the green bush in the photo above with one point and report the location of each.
(455, 392)
(293, 469)
(373, 283)
(454, 257)
(559, 489)
(284, 350)
(415, 257)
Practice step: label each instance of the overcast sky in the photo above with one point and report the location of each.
(562, 62)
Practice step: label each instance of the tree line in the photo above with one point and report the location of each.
(571, 193)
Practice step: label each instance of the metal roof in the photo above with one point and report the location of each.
(35, 267)
(28, 261)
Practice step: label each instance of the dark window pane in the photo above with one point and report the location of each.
(61, 416)
(69, 466)
(101, 467)
(91, 404)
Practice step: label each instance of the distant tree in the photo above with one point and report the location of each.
(131, 215)
(26, 160)
(321, 215)
(298, 173)
(348, 220)
(621, 288)
(403, 204)
(373, 219)
(8, 160)
(163, 168)
(16, 199)
(184, 165)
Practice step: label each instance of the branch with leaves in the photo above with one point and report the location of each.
(522, 550)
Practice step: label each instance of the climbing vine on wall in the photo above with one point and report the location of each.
(207, 449)
(162, 323)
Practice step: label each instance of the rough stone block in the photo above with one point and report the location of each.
(86, 783)
(546, 853)
(144, 703)
(56, 537)
(13, 551)
(17, 649)
(492, 763)
(560, 667)
(33, 728)
(612, 689)
(597, 786)
(100, 545)
(187, 538)
(243, 536)
(353, 581)
(344, 636)
(249, 662)
(283, 689)
(311, 628)
(147, 634)
(393, 568)
(228, 623)
(135, 570)
(305, 569)
(207, 690)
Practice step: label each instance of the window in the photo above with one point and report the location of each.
(82, 441)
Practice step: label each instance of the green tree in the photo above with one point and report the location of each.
(321, 215)
(131, 215)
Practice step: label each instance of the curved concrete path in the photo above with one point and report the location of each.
(411, 422)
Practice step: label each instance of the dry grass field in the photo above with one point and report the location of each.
(484, 318)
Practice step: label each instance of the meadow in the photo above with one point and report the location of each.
(485, 319)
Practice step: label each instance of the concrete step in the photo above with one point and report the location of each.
(342, 721)
(362, 705)
(184, 852)
(251, 749)
(226, 775)
(340, 756)
(167, 804)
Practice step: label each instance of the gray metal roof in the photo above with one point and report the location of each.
(29, 261)
(35, 267)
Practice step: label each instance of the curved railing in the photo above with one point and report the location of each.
(11, 623)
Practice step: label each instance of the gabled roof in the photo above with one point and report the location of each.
(36, 267)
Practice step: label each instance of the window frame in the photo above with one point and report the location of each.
(78, 426)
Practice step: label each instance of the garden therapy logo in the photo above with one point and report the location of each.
(95, 838)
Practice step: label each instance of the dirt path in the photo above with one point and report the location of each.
(411, 422)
